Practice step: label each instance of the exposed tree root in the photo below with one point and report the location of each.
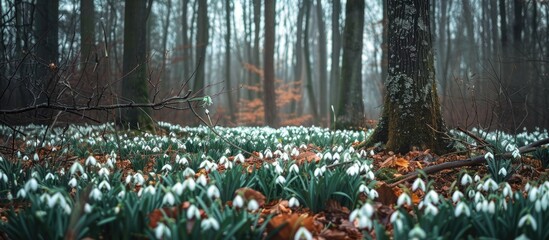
(469, 162)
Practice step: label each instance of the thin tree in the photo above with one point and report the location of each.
(202, 38)
(87, 32)
(230, 101)
(336, 52)
(46, 35)
(134, 83)
(411, 113)
(309, 84)
(350, 107)
(271, 118)
(323, 61)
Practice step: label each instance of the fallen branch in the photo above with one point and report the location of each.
(478, 160)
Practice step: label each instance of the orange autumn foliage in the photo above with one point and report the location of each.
(251, 111)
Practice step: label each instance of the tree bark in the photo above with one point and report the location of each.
(323, 62)
(46, 35)
(134, 82)
(271, 118)
(350, 109)
(336, 53)
(309, 84)
(87, 32)
(257, 30)
(411, 114)
(230, 101)
(202, 38)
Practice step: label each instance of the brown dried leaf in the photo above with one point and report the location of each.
(249, 194)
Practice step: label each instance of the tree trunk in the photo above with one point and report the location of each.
(384, 48)
(350, 109)
(134, 82)
(87, 32)
(336, 52)
(298, 65)
(230, 101)
(271, 118)
(256, 82)
(186, 48)
(201, 45)
(46, 35)
(165, 33)
(309, 84)
(411, 115)
(323, 62)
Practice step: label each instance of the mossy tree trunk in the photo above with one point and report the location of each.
(411, 115)
(271, 118)
(134, 83)
(350, 107)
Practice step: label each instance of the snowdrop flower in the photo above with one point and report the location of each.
(490, 184)
(370, 175)
(168, 199)
(167, 167)
(128, 179)
(404, 198)
(3, 176)
(150, 189)
(31, 185)
(294, 152)
(91, 161)
(96, 194)
(507, 190)
(529, 220)
(516, 153)
(209, 223)
(418, 184)
(502, 171)
(353, 170)
(188, 172)
(278, 169)
(103, 172)
(213, 192)
(293, 202)
(105, 185)
(456, 196)
(373, 194)
(294, 168)
(253, 205)
(138, 179)
(462, 208)
(76, 167)
(202, 180)
(327, 156)
(363, 189)
(238, 201)
(189, 183)
(417, 233)
(223, 160)
(533, 194)
(25, 158)
(431, 209)
(239, 158)
(178, 188)
(303, 234)
(121, 194)
(477, 178)
(181, 160)
(21, 193)
(268, 153)
(431, 197)
(88, 208)
(36, 158)
(466, 179)
(162, 230)
(489, 156)
(318, 172)
(336, 156)
(285, 157)
(280, 179)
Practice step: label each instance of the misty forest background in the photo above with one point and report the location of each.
(491, 61)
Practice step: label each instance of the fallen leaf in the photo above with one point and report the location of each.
(386, 194)
(284, 226)
(249, 194)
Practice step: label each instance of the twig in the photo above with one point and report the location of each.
(216, 133)
(475, 137)
(469, 162)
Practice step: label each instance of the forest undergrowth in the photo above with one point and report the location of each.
(264, 183)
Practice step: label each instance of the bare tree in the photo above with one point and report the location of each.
(271, 118)
(134, 83)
